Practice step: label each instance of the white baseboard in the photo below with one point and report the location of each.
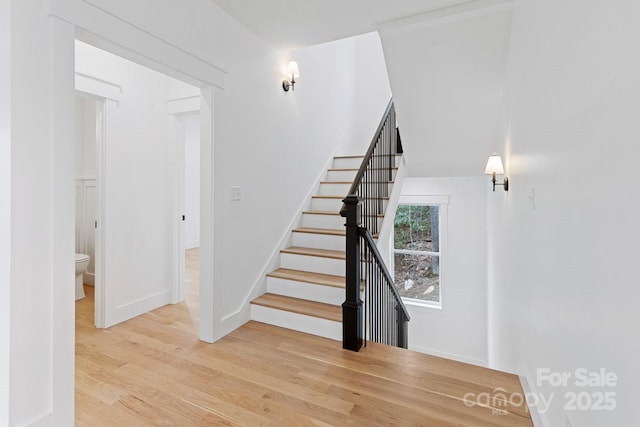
(260, 284)
(42, 421)
(135, 308)
(451, 356)
(89, 279)
(528, 389)
(192, 244)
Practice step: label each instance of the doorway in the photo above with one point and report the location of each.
(186, 134)
(89, 137)
(135, 211)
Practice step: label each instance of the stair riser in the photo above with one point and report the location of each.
(299, 322)
(348, 176)
(334, 205)
(347, 163)
(354, 163)
(313, 264)
(332, 189)
(335, 222)
(326, 204)
(308, 291)
(318, 241)
(377, 189)
(323, 221)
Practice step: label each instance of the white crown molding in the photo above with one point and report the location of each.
(189, 104)
(98, 26)
(98, 87)
(458, 12)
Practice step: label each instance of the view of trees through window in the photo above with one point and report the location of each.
(417, 252)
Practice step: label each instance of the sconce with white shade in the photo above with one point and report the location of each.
(294, 72)
(494, 167)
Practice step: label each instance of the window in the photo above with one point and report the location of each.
(417, 251)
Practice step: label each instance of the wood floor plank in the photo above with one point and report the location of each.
(153, 371)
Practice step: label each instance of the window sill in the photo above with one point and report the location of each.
(422, 304)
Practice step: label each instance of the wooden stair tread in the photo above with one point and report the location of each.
(356, 169)
(362, 157)
(343, 197)
(334, 213)
(320, 196)
(300, 306)
(309, 277)
(323, 253)
(322, 213)
(337, 182)
(326, 231)
(349, 182)
(349, 157)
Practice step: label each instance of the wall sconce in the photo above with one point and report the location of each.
(294, 72)
(494, 167)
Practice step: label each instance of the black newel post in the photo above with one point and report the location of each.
(352, 313)
(403, 329)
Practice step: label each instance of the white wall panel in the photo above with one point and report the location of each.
(448, 83)
(563, 241)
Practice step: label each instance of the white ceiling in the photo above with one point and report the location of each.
(288, 24)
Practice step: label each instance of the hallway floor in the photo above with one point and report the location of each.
(153, 371)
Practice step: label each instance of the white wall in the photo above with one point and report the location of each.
(563, 271)
(273, 144)
(192, 180)
(5, 209)
(458, 330)
(276, 159)
(36, 358)
(447, 78)
(359, 63)
(372, 91)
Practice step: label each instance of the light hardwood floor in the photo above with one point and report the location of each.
(153, 371)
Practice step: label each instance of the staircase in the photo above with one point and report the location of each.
(307, 291)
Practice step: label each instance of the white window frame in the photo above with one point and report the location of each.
(442, 201)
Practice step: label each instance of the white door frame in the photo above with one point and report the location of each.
(206, 104)
(85, 20)
(177, 111)
(101, 226)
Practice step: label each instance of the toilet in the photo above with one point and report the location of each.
(82, 262)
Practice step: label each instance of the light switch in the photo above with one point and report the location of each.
(235, 194)
(531, 195)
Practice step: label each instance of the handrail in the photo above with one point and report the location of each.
(363, 208)
(363, 166)
(382, 316)
(375, 175)
(378, 258)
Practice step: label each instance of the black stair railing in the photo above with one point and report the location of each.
(373, 180)
(382, 316)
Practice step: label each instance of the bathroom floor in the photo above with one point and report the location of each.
(85, 307)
